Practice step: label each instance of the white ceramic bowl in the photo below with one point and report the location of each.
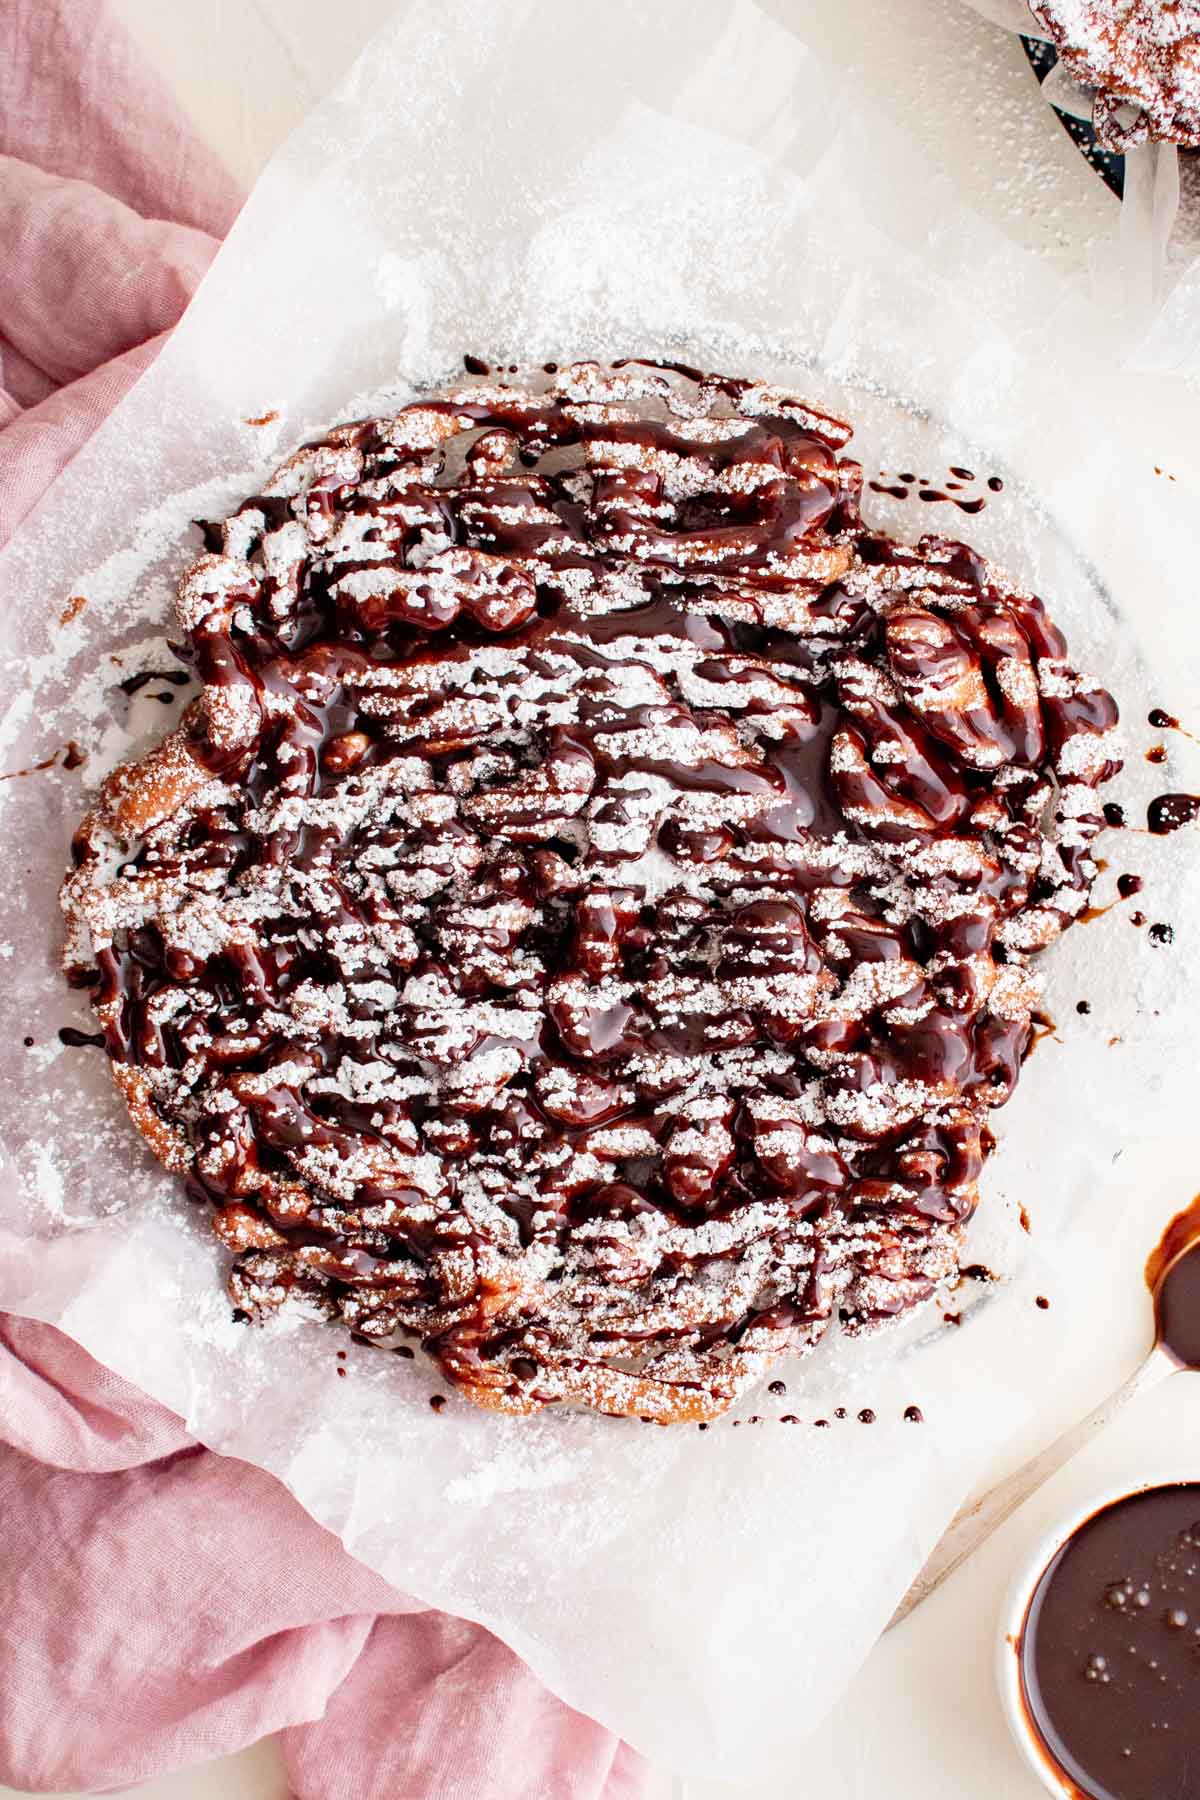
(1012, 1621)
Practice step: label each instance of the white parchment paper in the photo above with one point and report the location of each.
(529, 182)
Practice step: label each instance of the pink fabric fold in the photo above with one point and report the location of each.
(78, 99)
(163, 1604)
(111, 209)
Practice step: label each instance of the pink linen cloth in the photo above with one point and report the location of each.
(163, 1604)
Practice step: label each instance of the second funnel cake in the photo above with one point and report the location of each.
(585, 918)
(1141, 58)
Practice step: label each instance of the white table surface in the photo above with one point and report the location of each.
(922, 1720)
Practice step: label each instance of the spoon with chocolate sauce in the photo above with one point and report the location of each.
(1173, 1277)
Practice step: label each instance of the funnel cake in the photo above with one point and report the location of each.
(585, 918)
(1143, 59)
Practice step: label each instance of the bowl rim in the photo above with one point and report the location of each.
(1036, 1757)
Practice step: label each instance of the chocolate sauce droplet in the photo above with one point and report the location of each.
(133, 684)
(1171, 811)
(933, 495)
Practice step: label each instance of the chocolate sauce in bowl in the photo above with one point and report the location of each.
(1110, 1650)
